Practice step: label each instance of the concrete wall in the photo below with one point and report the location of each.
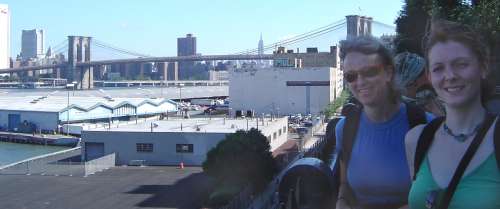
(265, 90)
(43, 120)
(274, 128)
(164, 146)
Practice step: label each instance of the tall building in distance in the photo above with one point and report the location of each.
(186, 46)
(32, 44)
(261, 45)
(4, 36)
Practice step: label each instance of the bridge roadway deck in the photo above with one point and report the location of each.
(145, 59)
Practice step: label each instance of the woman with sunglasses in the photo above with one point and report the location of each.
(374, 172)
(453, 158)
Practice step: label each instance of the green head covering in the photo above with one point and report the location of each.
(408, 67)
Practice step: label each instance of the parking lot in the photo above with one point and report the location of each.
(119, 187)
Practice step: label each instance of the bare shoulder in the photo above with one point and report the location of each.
(412, 136)
(411, 141)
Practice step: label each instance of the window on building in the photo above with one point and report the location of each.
(184, 148)
(284, 129)
(274, 135)
(279, 132)
(144, 147)
(269, 138)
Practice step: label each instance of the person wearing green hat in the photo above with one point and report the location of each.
(410, 73)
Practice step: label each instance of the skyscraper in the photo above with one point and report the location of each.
(261, 45)
(186, 46)
(32, 44)
(4, 36)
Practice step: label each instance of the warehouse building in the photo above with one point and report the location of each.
(170, 142)
(49, 113)
(284, 90)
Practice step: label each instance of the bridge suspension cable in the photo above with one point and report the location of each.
(117, 49)
(60, 50)
(301, 37)
(60, 44)
(384, 25)
(320, 33)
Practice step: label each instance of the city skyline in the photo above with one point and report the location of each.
(153, 28)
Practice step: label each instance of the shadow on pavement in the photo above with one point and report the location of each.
(187, 193)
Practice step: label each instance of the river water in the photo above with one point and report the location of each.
(13, 152)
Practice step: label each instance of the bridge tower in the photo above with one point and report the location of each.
(358, 26)
(79, 51)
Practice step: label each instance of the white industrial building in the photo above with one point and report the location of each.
(4, 36)
(170, 142)
(282, 90)
(48, 113)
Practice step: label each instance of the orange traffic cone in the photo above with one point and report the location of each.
(181, 165)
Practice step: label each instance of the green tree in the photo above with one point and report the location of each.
(241, 159)
(482, 15)
(332, 108)
(411, 25)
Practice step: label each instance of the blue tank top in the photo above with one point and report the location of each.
(378, 170)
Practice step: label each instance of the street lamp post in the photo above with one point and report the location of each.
(68, 86)
(180, 92)
(74, 84)
(162, 83)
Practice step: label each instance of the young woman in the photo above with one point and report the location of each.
(458, 71)
(373, 170)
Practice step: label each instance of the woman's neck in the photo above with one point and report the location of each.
(383, 112)
(465, 119)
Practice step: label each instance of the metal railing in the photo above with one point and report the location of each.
(269, 198)
(62, 163)
(57, 163)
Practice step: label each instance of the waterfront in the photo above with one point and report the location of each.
(13, 152)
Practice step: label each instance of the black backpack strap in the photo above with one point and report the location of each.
(496, 141)
(415, 114)
(424, 143)
(464, 162)
(330, 141)
(350, 131)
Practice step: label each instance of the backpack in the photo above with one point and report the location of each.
(415, 114)
(427, 136)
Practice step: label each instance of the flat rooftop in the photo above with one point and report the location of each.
(130, 92)
(119, 187)
(202, 125)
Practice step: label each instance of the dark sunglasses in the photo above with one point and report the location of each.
(368, 72)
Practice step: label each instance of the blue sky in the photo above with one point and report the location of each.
(221, 26)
